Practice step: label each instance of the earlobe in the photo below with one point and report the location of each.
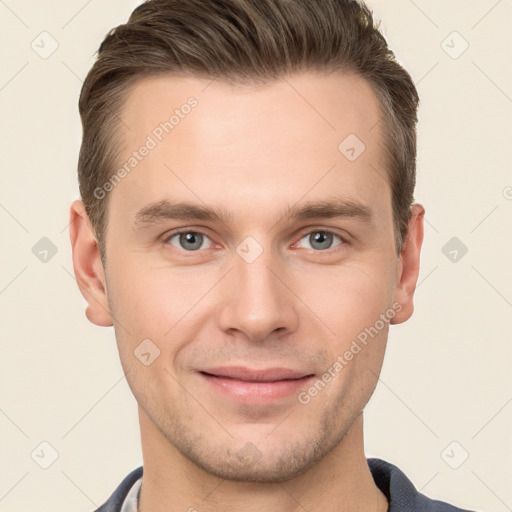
(88, 267)
(409, 265)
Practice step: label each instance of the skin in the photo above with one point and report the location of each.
(252, 151)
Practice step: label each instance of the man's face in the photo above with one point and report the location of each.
(258, 289)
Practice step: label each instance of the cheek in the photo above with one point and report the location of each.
(146, 305)
(347, 298)
(150, 301)
(167, 306)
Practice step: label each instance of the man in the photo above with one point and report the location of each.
(247, 226)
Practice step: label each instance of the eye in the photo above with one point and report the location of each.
(321, 240)
(194, 241)
(189, 241)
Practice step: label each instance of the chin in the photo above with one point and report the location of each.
(250, 464)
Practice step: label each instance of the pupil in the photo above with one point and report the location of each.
(323, 239)
(191, 238)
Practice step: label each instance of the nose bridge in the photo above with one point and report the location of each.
(258, 302)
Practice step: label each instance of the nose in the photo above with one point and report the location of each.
(256, 300)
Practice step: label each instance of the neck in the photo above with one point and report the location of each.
(341, 481)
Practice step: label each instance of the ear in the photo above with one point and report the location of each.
(409, 265)
(87, 265)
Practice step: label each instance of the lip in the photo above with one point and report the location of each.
(255, 386)
(255, 375)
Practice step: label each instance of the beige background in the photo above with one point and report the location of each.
(447, 372)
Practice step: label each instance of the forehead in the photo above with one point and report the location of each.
(308, 135)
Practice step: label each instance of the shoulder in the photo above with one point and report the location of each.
(114, 503)
(400, 491)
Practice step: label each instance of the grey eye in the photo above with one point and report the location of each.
(320, 240)
(188, 240)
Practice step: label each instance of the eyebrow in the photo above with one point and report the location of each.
(183, 210)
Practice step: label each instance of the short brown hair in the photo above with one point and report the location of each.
(245, 42)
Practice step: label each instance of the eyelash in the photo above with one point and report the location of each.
(343, 240)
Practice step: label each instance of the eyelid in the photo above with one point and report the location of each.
(179, 231)
(313, 229)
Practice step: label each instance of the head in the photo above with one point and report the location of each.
(243, 42)
(293, 146)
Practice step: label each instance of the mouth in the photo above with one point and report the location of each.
(255, 386)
